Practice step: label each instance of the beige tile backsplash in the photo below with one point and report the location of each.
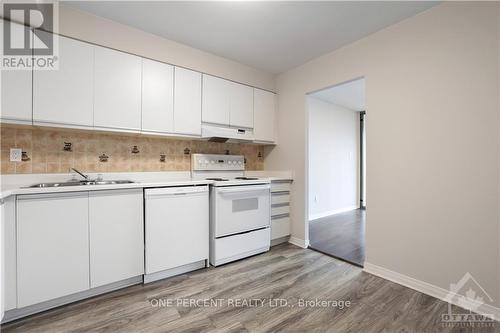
(44, 147)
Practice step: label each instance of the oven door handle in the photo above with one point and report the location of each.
(244, 189)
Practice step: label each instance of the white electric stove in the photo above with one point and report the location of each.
(240, 207)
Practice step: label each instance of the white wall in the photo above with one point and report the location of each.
(333, 158)
(432, 84)
(98, 30)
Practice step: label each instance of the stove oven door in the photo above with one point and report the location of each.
(243, 208)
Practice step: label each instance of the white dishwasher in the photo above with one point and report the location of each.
(177, 230)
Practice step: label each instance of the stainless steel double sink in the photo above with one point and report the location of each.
(82, 182)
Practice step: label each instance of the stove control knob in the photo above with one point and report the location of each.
(206, 161)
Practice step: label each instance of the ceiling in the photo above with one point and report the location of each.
(271, 36)
(350, 95)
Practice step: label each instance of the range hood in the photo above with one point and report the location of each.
(220, 133)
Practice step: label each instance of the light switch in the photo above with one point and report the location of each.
(15, 154)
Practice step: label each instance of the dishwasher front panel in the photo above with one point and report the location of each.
(177, 227)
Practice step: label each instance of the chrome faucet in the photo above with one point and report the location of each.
(86, 177)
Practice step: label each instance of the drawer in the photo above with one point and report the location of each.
(235, 247)
(280, 187)
(280, 227)
(280, 198)
(278, 210)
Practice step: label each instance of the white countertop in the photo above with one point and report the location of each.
(160, 183)
(272, 176)
(17, 184)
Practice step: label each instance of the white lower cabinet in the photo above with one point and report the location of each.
(116, 235)
(52, 246)
(8, 246)
(280, 227)
(280, 209)
(71, 242)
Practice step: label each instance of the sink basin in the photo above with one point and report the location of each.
(107, 182)
(41, 185)
(83, 182)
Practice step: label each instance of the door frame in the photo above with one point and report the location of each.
(362, 148)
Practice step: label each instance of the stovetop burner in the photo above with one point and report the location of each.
(247, 178)
(218, 179)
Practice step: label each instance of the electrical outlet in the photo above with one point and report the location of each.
(15, 154)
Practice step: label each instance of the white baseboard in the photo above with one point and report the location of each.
(278, 241)
(303, 243)
(17, 313)
(317, 216)
(426, 288)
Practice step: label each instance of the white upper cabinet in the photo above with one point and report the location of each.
(117, 90)
(216, 100)
(157, 97)
(187, 102)
(16, 89)
(264, 115)
(116, 224)
(65, 96)
(227, 103)
(241, 105)
(16, 96)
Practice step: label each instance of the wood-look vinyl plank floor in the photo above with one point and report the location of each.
(286, 272)
(340, 235)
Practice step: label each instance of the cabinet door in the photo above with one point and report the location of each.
(65, 95)
(187, 107)
(280, 227)
(215, 101)
(117, 90)
(8, 227)
(241, 105)
(52, 246)
(15, 88)
(116, 235)
(16, 96)
(264, 115)
(157, 96)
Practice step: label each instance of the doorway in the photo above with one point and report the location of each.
(337, 171)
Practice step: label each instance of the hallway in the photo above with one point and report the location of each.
(340, 235)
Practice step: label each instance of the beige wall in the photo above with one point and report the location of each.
(432, 141)
(81, 25)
